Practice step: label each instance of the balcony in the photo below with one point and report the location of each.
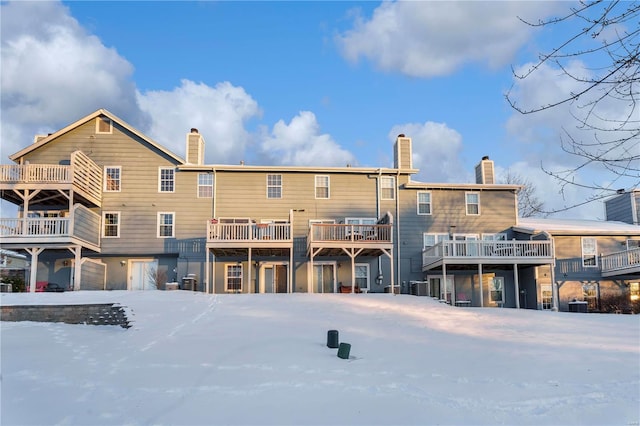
(82, 227)
(487, 252)
(82, 175)
(621, 263)
(265, 239)
(367, 239)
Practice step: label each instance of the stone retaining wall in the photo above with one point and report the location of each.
(93, 314)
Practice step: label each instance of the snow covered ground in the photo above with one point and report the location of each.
(196, 359)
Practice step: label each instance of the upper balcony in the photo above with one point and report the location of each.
(82, 175)
(487, 252)
(81, 227)
(331, 239)
(233, 239)
(621, 263)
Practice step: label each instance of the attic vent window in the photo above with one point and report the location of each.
(104, 125)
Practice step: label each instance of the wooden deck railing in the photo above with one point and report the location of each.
(620, 261)
(488, 249)
(234, 232)
(327, 232)
(82, 172)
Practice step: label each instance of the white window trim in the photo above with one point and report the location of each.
(105, 186)
(594, 254)
(498, 236)
(104, 224)
(199, 185)
(467, 204)
(418, 203)
(226, 277)
(105, 119)
(392, 187)
(315, 187)
(160, 169)
(368, 287)
(360, 220)
(173, 225)
(274, 186)
(443, 237)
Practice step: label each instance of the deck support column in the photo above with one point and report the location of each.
(480, 281)
(33, 273)
(516, 284)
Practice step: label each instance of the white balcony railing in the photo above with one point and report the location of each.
(488, 249)
(620, 261)
(245, 232)
(82, 224)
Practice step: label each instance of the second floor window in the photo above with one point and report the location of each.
(112, 179)
(166, 226)
(388, 188)
(166, 179)
(589, 252)
(430, 240)
(473, 203)
(205, 185)
(424, 203)
(111, 224)
(274, 186)
(322, 186)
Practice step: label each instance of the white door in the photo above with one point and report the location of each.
(142, 274)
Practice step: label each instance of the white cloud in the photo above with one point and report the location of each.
(219, 113)
(300, 143)
(436, 151)
(426, 38)
(53, 73)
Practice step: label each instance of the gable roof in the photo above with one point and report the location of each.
(575, 227)
(84, 120)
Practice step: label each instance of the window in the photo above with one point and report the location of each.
(104, 125)
(496, 291)
(205, 185)
(166, 226)
(112, 178)
(547, 297)
(233, 278)
(501, 236)
(589, 251)
(274, 186)
(633, 244)
(473, 203)
(634, 292)
(322, 186)
(111, 224)
(430, 240)
(362, 275)
(387, 188)
(424, 203)
(166, 179)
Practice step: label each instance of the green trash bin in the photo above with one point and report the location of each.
(343, 350)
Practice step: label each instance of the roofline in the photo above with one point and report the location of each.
(102, 111)
(575, 232)
(474, 186)
(299, 169)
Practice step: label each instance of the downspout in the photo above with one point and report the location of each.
(398, 231)
(380, 276)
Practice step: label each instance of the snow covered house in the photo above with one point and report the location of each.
(109, 208)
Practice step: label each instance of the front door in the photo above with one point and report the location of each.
(324, 278)
(142, 274)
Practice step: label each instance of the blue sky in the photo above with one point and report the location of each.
(296, 83)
